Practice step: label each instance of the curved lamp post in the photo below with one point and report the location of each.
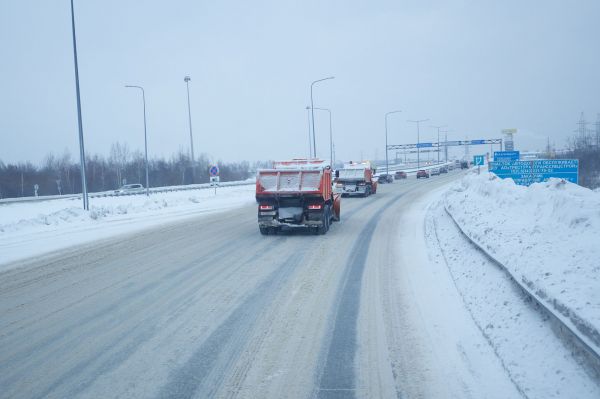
(387, 165)
(438, 147)
(330, 135)
(418, 141)
(312, 111)
(145, 136)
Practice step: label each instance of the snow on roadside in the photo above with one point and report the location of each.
(33, 228)
(547, 235)
(536, 360)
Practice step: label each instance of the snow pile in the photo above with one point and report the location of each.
(547, 235)
(17, 216)
(33, 228)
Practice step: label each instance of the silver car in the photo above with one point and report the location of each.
(130, 189)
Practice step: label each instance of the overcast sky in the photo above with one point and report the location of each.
(476, 66)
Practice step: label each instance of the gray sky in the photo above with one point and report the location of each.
(477, 66)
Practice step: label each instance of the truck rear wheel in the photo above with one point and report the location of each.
(263, 230)
(322, 229)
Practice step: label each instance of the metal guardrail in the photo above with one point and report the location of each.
(112, 193)
(582, 332)
(396, 168)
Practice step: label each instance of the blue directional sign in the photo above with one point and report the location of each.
(536, 171)
(500, 156)
(214, 170)
(422, 145)
(474, 142)
(478, 160)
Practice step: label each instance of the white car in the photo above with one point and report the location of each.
(435, 171)
(130, 189)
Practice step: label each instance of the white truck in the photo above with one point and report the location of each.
(356, 178)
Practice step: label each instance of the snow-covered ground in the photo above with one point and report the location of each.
(33, 228)
(546, 236)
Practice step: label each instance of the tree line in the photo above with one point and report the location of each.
(60, 174)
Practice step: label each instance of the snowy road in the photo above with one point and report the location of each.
(210, 308)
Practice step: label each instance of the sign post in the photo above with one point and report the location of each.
(213, 174)
(478, 161)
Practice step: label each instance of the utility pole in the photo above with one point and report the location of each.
(582, 130)
(84, 192)
(418, 140)
(438, 147)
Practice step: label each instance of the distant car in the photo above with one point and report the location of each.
(385, 179)
(451, 166)
(464, 165)
(435, 171)
(400, 175)
(130, 189)
(422, 173)
(444, 169)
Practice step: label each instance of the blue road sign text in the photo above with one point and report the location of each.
(535, 171)
(500, 156)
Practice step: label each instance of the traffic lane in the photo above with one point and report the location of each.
(139, 307)
(342, 376)
(92, 310)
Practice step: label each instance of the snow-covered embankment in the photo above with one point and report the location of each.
(543, 239)
(33, 228)
(546, 235)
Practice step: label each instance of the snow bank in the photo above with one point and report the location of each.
(34, 228)
(547, 235)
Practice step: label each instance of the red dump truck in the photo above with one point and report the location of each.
(356, 178)
(294, 194)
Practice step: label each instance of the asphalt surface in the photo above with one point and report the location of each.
(208, 308)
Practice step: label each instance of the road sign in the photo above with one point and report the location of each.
(214, 180)
(509, 131)
(536, 171)
(443, 143)
(478, 160)
(500, 156)
(214, 170)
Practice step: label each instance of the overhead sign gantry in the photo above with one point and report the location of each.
(444, 144)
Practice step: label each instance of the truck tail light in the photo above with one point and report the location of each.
(265, 207)
(315, 207)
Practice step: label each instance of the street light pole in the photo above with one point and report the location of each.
(438, 147)
(145, 137)
(312, 111)
(418, 141)
(330, 135)
(187, 83)
(309, 138)
(84, 191)
(446, 143)
(387, 166)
